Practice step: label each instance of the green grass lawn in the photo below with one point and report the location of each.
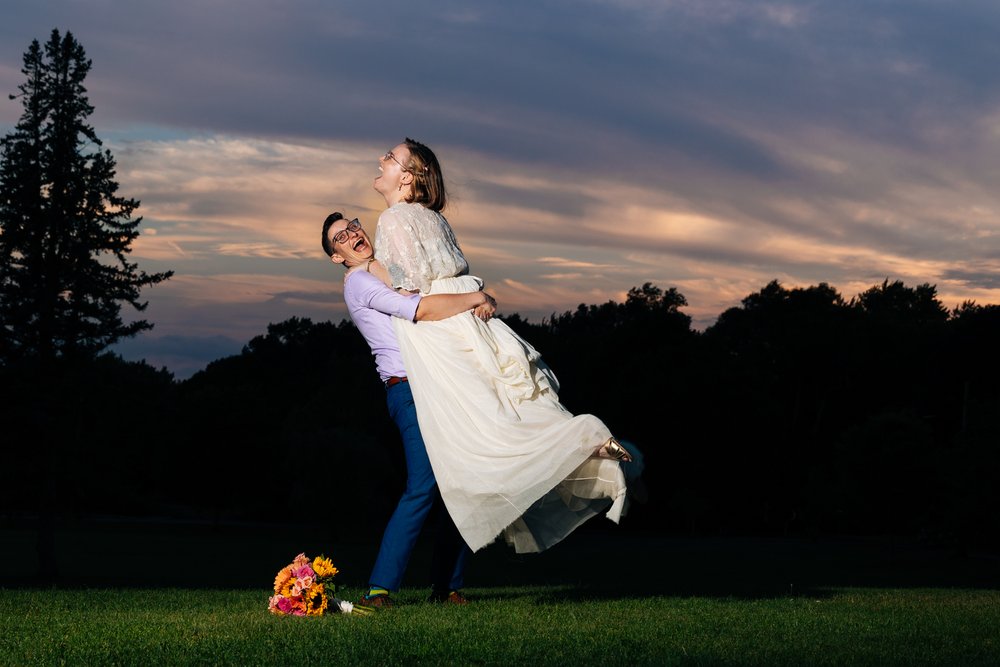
(506, 625)
(152, 595)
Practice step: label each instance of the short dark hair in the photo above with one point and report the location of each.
(327, 242)
(428, 181)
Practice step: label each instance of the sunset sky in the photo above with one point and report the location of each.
(589, 146)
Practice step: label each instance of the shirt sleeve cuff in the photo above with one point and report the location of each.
(409, 309)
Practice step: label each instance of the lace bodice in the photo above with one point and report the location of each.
(417, 246)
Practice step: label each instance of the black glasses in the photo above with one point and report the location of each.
(389, 156)
(353, 227)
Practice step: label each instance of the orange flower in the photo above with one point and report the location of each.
(282, 578)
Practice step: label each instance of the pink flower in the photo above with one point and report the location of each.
(303, 571)
(284, 605)
(299, 561)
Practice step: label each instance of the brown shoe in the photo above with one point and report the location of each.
(453, 597)
(380, 601)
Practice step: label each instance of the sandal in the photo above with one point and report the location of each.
(613, 449)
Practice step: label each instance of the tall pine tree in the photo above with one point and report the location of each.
(64, 231)
(64, 275)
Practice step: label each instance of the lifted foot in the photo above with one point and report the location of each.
(613, 449)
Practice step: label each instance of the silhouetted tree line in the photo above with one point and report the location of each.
(797, 412)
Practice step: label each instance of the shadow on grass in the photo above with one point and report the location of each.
(596, 562)
(605, 565)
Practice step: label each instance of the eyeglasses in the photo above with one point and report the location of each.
(353, 227)
(389, 156)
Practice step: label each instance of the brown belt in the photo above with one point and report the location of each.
(395, 380)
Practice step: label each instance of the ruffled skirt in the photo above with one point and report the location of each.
(508, 457)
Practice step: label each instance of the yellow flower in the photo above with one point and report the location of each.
(323, 567)
(316, 602)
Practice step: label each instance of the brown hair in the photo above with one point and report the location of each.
(327, 243)
(428, 181)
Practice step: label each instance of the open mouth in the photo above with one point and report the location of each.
(359, 245)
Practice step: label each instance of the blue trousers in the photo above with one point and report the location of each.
(420, 496)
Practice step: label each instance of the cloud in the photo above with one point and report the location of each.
(232, 196)
(575, 277)
(568, 263)
(264, 250)
(272, 196)
(531, 194)
(981, 277)
(589, 147)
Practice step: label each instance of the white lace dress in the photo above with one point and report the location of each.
(508, 457)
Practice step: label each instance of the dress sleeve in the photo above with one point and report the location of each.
(417, 246)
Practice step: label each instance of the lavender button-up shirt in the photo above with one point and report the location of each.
(372, 306)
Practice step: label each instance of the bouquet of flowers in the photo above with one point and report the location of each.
(304, 588)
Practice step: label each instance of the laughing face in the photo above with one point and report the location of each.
(392, 176)
(351, 245)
